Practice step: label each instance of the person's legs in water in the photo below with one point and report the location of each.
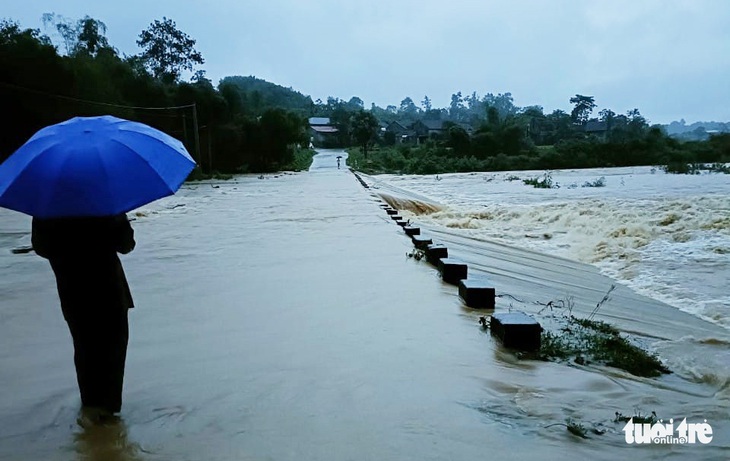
(100, 339)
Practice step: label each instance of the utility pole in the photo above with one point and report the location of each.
(197, 137)
(185, 128)
(210, 148)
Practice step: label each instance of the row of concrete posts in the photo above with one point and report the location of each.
(516, 330)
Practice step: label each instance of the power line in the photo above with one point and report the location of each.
(196, 129)
(98, 103)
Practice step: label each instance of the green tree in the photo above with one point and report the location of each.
(364, 127)
(167, 51)
(355, 104)
(584, 106)
(280, 130)
(503, 102)
(609, 117)
(426, 103)
(408, 109)
(29, 59)
(85, 36)
(91, 38)
(458, 139)
(456, 107)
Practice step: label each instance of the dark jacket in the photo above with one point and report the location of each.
(83, 255)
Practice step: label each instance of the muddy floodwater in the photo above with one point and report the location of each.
(279, 318)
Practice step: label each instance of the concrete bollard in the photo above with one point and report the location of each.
(421, 241)
(516, 330)
(452, 270)
(391, 211)
(477, 293)
(402, 223)
(395, 217)
(436, 251)
(411, 230)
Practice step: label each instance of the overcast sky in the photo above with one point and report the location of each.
(668, 58)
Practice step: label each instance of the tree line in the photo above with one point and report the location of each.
(490, 133)
(248, 124)
(244, 124)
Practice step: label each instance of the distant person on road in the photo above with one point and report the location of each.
(95, 298)
(338, 163)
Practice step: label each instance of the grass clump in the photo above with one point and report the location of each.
(585, 341)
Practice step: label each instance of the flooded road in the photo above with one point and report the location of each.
(279, 319)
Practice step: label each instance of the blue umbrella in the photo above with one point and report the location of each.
(92, 166)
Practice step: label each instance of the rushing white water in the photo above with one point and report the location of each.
(666, 236)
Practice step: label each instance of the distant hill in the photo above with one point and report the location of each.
(258, 95)
(698, 131)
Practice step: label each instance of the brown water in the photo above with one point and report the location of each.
(279, 319)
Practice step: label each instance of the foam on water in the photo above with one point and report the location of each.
(666, 236)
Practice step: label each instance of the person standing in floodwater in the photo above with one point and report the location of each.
(338, 163)
(95, 298)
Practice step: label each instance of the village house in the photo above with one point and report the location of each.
(321, 132)
(596, 128)
(427, 129)
(401, 133)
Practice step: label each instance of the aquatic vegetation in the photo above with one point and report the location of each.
(546, 182)
(600, 182)
(587, 341)
(578, 429)
(638, 418)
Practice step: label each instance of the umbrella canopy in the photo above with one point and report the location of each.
(92, 166)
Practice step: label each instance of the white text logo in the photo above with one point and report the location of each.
(660, 433)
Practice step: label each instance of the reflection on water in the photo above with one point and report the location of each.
(106, 442)
(279, 319)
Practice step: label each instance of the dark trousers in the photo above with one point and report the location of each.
(100, 337)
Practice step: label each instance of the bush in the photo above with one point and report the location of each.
(546, 182)
(600, 182)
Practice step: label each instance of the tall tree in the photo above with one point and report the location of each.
(91, 38)
(584, 106)
(355, 103)
(503, 102)
(408, 108)
(456, 106)
(426, 103)
(168, 51)
(364, 129)
(85, 36)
